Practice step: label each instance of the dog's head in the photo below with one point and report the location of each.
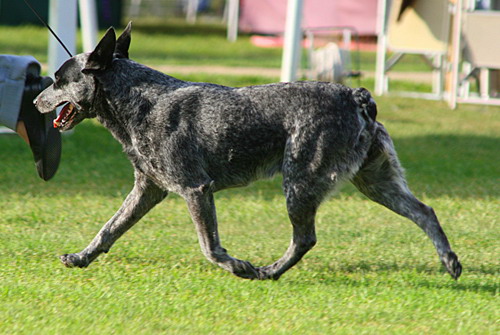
(76, 81)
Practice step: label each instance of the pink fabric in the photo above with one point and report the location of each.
(269, 16)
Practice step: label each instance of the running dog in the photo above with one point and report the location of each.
(195, 139)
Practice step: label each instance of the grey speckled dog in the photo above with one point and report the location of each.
(195, 139)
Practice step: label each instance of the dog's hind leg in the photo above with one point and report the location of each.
(301, 211)
(144, 196)
(307, 177)
(201, 206)
(381, 179)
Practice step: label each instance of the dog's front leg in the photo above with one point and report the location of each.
(201, 206)
(144, 196)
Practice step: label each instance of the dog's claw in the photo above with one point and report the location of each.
(452, 265)
(73, 260)
(246, 270)
(267, 272)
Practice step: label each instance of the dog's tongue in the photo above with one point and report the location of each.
(64, 112)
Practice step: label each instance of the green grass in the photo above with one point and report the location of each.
(372, 272)
(153, 45)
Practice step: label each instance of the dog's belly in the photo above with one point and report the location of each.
(179, 162)
(241, 173)
(239, 163)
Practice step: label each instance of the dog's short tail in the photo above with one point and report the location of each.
(366, 104)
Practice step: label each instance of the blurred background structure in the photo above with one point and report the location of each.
(457, 39)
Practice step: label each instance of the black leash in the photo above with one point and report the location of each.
(48, 27)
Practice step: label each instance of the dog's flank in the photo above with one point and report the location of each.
(196, 138)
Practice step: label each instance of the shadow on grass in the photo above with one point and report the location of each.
(93, 163)
(366, 266)
(451, 165)
(420, 275)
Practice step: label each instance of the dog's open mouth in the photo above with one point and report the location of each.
(66, 116)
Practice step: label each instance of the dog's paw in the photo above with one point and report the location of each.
(73, 260)
(245, 269)
(268, 272)
(452, 265)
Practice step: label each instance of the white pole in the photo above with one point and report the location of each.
(380, 76)
(62, 19)
(293, 36)
(135, 8)
(88, 21)
(191, 11)
(457, 31)
(232, 20)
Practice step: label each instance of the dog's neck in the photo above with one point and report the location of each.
(129, 91)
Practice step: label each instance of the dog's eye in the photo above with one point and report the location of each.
(56, 79)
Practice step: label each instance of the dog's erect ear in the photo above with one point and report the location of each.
(102, 56)
(123, 42)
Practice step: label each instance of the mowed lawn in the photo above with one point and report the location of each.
(372, 272)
